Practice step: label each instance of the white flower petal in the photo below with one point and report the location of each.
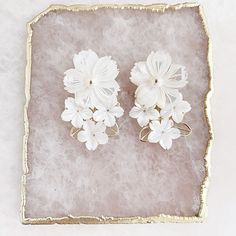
(135, 112)
(99, 115)
(102, 138)
(166, 143)
(100, 127)
(178, 116)
(70, 103)
(75, 112)
(91, 144)
(112, 102)
(109, 120)
(174, 70)
(142, 120)
(154, 137)
(160, 98)
(108, 113)
(74, 80)
(153, 114)
(110, 87)
(71, 74)
(108, 104)
(146, 95)
(166, 124)
(82, 97)
(177, 109)
(164, 61)
(101, 107)
(117, 111)
(163, 133)
(184, 106)
(158, 63)
(89, 126)
(86, 114)
(172, 83)
(82, 136)
(77, 121)
(101, 95)
(138, 105)
(96, 96)
(166, 112)
(93, 134)
(67, 115)
(171, 92)
(139, 73)
(105, 69)
(155, 126)
(85, 61)
(174, 133)
(144, 115)
(152, 64)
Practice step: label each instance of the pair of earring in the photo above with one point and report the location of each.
(94, 108)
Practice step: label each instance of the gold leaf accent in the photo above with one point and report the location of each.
(112, 131)
(74, 131)
(184, 129)
(143, 134)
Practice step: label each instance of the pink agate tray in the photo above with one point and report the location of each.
(125, 181)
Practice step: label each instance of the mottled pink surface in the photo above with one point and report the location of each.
(125, 177)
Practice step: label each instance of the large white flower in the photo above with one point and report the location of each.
(163, 132)
(93, 79)
(108, 112)
(93, 134)
(157, 79)
(143, 114)
(176, 109)
(76, 113)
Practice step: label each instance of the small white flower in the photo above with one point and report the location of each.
(163, 132)
(176, 109)
(143, 114)
(93, 79)
(76, 113)
(93, 134)
(108, 112)
(157, 79)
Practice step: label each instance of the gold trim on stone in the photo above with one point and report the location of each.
(69, 219)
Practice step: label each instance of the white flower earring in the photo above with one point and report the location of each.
(94, 108)
(159, 105)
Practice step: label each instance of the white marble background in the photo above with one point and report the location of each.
(222, 192)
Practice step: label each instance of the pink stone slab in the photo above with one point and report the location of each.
(125, 177)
